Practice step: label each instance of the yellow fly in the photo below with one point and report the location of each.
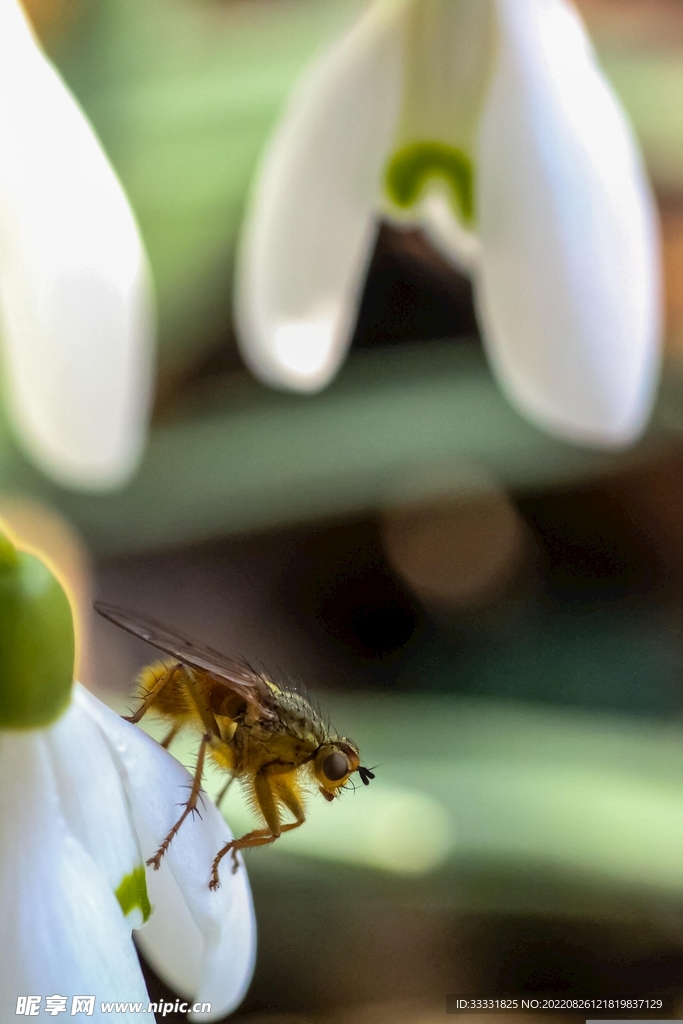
(256, 731)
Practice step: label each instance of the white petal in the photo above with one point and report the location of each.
(569, 278)
(218, 973)
(171, 941)
(449, 60)
(92, 797)
(64, 930)
(203, 943)
(75, 300)
(456, 244)
(311, 226)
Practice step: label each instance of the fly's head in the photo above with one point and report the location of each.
(334, 764)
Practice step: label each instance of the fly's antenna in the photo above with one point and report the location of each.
(366, 774)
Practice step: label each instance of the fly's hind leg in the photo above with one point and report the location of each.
(266, 792)
(190, 806)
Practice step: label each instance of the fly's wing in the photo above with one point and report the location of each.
(236, 675)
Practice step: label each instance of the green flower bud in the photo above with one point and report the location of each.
(36, 641)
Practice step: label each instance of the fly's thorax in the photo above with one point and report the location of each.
(256, 746)
(301, 737)
(296, 716)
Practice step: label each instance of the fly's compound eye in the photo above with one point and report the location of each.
(335, 767)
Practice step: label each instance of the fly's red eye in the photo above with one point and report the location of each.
(335, 767)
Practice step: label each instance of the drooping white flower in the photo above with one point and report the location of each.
(84, 803)
(76, 320)
(86, 800)
(489, 124)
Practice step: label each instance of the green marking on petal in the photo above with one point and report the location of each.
(413, 166)
(132, 893)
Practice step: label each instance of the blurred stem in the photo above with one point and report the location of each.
(406, 422)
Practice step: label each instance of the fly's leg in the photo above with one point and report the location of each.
(219, 799)
(152, 694)
(259, 837)
(171, 735)
(266, 798)
(190, 806)
(211, 735)
(290, 798)
(197, 697)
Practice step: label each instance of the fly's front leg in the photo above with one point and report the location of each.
(190, 806)
(290, 798)
(267, 795)
(260, 836)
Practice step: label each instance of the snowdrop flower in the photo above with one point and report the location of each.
(76, 323)
(86, 799)
(488, 124)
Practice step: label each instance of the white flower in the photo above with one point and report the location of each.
(489, 124)
(76, 320)
(83, 803)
